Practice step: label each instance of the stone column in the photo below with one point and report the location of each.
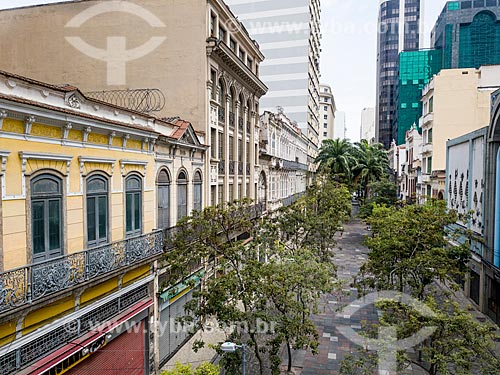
(253, 117)
(245, 120)
(226, 149)
(236, 149)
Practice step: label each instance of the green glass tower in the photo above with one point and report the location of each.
(416, 68)
(468, 33)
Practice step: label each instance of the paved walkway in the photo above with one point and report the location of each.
(349, 257)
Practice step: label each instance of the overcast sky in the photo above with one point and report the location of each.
(349, 50)
(349, 53)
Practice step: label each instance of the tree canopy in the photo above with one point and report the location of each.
(410, 249)
(357, 164)
(260, 272)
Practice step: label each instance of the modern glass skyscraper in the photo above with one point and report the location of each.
(416, 68)
(468, 33)
(399, 26)
(288, 33)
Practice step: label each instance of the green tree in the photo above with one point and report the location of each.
(216, 239)
(410, 250)
(459, 345)
(371, 164)
(293, 285)
(314, 220)
(336, 158)
(383, 192)
(240, 289)
(203, 369)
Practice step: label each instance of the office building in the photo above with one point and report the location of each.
(399, 28)
(468, 34)
(416, 68)
(289, 36)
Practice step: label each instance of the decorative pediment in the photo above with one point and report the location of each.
(189, 137)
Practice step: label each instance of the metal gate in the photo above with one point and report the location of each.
(172, 333)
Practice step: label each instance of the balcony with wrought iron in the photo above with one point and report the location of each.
(222, 115)
(240, 168)
(294, 165)
(36, 282)
(288, 201)
(240, 124)
(222, 167)
(232, 167)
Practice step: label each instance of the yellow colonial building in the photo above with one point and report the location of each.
(82, 193)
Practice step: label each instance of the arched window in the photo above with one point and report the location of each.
(232, 103)
(222, 94)
(163, 199)
(133, 205)
(46, 217)
(97, 210)
(182, 195)
(197, 196)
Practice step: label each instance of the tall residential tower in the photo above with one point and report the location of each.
(327, 113)
(399, 26)
(288, 34)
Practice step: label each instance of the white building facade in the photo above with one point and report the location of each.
(283, 159)
(411, 170)
(289, 36)
(367, 130)
(340, 130)
(326, 113)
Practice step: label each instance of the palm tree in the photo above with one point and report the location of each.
(336, 157)
(372, 164)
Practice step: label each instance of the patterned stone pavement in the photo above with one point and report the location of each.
(350, 255)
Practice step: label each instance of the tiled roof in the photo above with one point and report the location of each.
(182, 127)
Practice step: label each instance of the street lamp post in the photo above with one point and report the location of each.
(231, 347)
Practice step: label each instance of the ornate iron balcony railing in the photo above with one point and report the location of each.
(240, 124)
(240, 168)
(30, 283)
(248, 168)
(232, 167)
(222, 114)
(293, 165)
(222, 167)
(290, 200)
